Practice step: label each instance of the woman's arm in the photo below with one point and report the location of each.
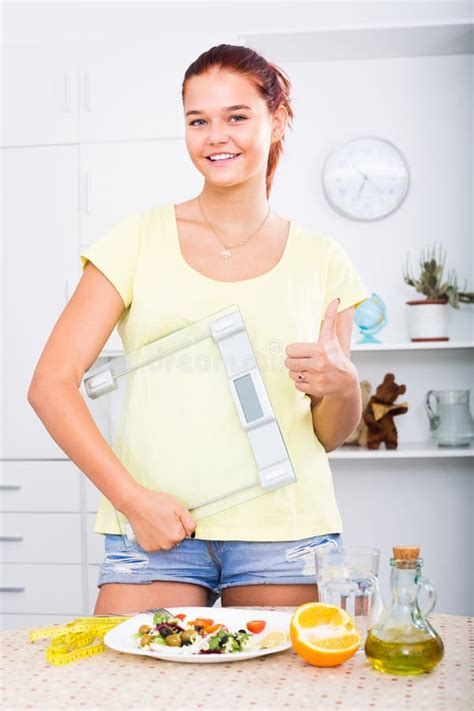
(336, 416)
(331, 379)
(72, 347)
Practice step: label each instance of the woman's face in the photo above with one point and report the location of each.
(224, 114)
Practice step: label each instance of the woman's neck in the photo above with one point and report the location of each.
(240, 205)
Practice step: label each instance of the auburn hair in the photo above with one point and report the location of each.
(271, 82)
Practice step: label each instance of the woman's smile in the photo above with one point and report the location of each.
(222, 158)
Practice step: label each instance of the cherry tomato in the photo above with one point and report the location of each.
(256, 626)
(181, 616)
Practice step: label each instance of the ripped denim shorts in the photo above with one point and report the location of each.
(215, 565)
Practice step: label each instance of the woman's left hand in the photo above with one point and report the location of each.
(322, 368)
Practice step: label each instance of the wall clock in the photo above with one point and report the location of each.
(365, 178)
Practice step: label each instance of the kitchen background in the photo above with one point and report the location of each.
(92, 129)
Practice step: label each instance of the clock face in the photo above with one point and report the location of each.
(365, 178)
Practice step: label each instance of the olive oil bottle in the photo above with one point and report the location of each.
(403, 641)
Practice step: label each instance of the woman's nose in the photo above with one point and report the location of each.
(217, 134)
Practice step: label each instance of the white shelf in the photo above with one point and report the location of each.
(356, 347)
(410, 346)
(406, 450)
(346, 42)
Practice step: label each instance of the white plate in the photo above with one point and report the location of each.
(120, 638)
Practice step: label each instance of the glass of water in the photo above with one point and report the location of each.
(347, 577)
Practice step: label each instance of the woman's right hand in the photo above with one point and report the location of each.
(159, 521)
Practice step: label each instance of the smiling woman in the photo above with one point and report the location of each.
(208, 252)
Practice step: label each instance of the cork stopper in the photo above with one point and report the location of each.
(406, 556)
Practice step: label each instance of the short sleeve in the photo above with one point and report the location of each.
(116, 254)
(343, 279)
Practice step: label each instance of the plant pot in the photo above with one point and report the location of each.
(428, 320)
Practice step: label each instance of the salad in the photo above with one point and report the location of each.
(204, 636)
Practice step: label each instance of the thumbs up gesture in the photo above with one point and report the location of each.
(322, 368)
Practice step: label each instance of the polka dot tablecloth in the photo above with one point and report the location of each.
(113, 680)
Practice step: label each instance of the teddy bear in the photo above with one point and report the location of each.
(359, 435)
(379, 413)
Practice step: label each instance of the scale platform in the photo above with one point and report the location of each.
(190, 416)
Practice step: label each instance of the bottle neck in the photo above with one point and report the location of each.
(404, 581)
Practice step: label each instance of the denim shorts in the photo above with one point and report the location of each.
(215, 565)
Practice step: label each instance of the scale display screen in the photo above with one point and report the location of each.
(248, 398)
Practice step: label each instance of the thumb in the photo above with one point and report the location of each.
(328, 327)
(187, 521)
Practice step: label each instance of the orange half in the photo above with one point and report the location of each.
(323, 635)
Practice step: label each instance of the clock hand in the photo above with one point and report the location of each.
(356, 168)
(361, 188)
(375, 185)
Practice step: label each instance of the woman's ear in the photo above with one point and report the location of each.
(279, 121)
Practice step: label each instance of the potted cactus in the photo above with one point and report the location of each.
(430, 323)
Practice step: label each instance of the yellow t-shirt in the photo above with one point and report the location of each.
(142, 258)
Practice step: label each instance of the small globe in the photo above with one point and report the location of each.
(370, 317)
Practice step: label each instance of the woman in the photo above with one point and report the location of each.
(297, 293)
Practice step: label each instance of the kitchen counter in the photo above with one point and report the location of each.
(113, 680)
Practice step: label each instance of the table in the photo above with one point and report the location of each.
(113, 680)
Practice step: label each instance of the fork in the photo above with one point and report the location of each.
(161, 610)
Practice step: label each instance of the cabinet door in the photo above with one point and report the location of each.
(39, 486)
(124, 177)
(45, 589)
(40, 246)
(59, 542)
(40, 95)
(133, 91)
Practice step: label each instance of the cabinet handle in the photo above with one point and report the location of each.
(88, 193)
(86, 92)
(12, 589)
(11, 539)
(10, 487)
(68, 93)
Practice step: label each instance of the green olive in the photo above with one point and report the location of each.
(146, 639)
(173, 640)
(144, 629)
(186, 636)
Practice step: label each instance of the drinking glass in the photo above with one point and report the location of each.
(347, 577)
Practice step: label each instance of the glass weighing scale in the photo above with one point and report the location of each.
(194, 410)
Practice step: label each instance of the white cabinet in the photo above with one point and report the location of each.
(40, 246)
(120, 178)
(40, 95)
(41, 532)
(40, 588)
(46, 537)
(133, 91)
(52, 486)
(98, 91)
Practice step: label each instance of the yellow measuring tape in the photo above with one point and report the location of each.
(83, 637)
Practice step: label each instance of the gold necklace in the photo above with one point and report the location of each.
(225, 252)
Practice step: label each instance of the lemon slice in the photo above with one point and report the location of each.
(273, 639)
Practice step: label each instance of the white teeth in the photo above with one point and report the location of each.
(223, 156)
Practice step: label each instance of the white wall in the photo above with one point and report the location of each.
(424, 106)
(75, 20)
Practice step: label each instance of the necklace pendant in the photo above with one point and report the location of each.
(225, 254)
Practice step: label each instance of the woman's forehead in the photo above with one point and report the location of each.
(219, 90)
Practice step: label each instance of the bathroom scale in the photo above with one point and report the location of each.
(189, 415)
